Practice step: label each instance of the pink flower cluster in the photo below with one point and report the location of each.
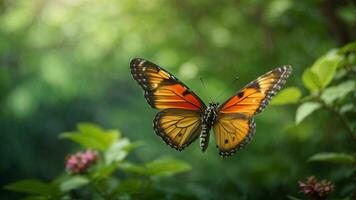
(79, 162)
(316, 190)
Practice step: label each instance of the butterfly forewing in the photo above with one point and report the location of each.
(163, 90)
(254, 97)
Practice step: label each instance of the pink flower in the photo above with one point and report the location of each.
(316, 190)
(79, 162)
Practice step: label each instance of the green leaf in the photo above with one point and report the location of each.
(347, 108)
(94, 131)
(292, 198)
(311, 80)
(289, 95)
(348, 48)
(117, 151)
(325, 67)
(167, 167)
(339, 158)
(73, 183)
(92, 136)
(132, 146)
(31, 186)
(89, 128)
(83, 140)
(338, 92)
(305, 110)
(133, 168)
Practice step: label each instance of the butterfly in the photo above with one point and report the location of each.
(184, 117)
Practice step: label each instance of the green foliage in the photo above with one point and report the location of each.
(338, 158)
(34, 187)
(288, 95)
(166, 167)
(73, 183)
(62, 62)
(331, 94)
(92, 136)
(321, 73)
(305, 110)
(331, 84)
(101, 177)
(311, 80)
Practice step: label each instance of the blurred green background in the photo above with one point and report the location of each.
(67, 61)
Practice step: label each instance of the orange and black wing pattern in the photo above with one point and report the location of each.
(235, 127)
(178, 128)
(254, 97)
(232, 132)
(179, 122)
(163, 90)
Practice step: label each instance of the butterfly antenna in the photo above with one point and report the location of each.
(223, 92)
(204, 86)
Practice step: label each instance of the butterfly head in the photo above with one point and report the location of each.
(213, 104)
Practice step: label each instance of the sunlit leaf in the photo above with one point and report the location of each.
(347, 108)
(311, 80)
(167, 167)
(331, 94)
(287, 96)
(106, 137)
(325, 67)
(92, 136)
(339, 158)
(83, 140)
(31, 187)
(348, 48)
(117, 151)
(73, 183)
(305, 110)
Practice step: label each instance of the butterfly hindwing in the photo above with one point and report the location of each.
(163, 90)
(254, 97)
(177, 127)
(232, 132)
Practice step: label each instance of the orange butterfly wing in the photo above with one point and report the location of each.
(179, 122)
(234, 127)
(163, 90)
(254, 97)
(232, 132)
(177, 127)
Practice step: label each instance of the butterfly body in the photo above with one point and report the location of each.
(184, 117)
(208, 120)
